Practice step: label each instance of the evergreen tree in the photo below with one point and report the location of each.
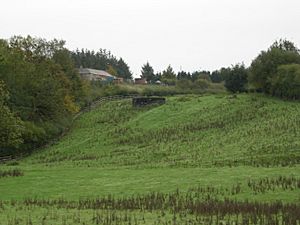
(182, 75)
(123, 69)
(168, 73)
(148, 73)
(101, 60)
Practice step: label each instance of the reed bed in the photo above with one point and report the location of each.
(16, 172)
(153, 208)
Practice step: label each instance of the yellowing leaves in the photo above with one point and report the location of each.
(70, 104)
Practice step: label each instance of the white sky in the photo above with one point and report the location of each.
(188, 34)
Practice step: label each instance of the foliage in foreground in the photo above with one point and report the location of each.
(44, 88)
(192, 207)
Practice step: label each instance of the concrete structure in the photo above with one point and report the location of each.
(143, 101)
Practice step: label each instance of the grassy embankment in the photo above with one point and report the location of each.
(209, 147)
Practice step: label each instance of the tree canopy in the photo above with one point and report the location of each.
(148, 73)
(265, 65)
(101, 60)
(44, 86)
(236, 78)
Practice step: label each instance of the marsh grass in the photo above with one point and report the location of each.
(16, 172)
(191, 207)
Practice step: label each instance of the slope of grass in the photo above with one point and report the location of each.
(196, 131)
(212, 148)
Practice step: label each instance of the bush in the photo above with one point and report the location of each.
(202, 83)
(264, 67)
(236, 80)
(286, 82)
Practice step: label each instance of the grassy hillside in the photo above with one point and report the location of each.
(199, 131)
(165, 161)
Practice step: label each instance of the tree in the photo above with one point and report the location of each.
(123, 69)
(182, 75)
(285, 45)
(201, 75)
(168, 76)
(148, 73)
(44, 86)
(237, 79)
(101, 60)
(77, 86)
(11, 126)
(36, 49)
(265, 65)
(216, 76)
(286, 82)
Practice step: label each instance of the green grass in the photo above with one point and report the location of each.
(203, 131)
(72, 183)
(212, 141)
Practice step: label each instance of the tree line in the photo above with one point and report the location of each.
(275, 72)
(102, 60)
(41, 90)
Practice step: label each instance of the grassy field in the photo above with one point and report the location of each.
(237, 157)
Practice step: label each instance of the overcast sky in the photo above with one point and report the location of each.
(188, 34)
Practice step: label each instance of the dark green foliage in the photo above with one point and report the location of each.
(264, 66)
(101, 60)
(148, 73)
(168, 76)
(218, 76)
(44, 86)
(200, 75)
(236, 78)
(184, 76)
(123, 69)
(11, 127)
(286, 82)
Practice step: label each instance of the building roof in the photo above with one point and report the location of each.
(95, 72)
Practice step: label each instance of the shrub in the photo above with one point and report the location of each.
(264, 67)
(237, 79)
(286, 82)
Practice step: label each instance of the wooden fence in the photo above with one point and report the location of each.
(101, 100)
